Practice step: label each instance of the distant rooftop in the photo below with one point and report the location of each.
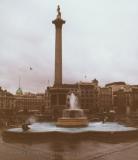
(115, 83)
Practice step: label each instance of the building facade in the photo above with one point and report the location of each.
(7, 107)
(88, 97)
(134, 100)
(30, 103)
(7, 102)
(105, 99)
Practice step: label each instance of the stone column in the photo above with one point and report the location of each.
(58, 48)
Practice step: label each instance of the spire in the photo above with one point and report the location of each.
(19, 82)
(19, 90)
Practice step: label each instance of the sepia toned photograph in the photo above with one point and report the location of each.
(68, 80)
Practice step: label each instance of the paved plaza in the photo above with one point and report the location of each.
(59, 150)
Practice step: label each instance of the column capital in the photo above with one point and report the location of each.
(58, 21)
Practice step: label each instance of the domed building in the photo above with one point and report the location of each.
(19, 92)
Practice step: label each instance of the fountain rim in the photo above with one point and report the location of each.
(65, 135)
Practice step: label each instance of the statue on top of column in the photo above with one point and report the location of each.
(59, 13)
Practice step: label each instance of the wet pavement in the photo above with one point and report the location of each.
(69, 150)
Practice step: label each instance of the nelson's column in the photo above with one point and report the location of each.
(58, 48)
(57, 94)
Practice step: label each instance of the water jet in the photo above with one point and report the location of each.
(74, 116)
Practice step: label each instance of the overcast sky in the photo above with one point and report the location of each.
(100, 40)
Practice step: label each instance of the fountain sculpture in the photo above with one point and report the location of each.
(74, 116)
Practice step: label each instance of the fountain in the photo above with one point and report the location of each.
(74, 116)
(73, 124)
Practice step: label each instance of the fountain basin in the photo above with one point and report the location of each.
(72, 118)
(72, 122)
(96, 131)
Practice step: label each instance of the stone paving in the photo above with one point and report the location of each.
(59, 150)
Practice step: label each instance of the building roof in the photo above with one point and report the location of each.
(115, 83)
